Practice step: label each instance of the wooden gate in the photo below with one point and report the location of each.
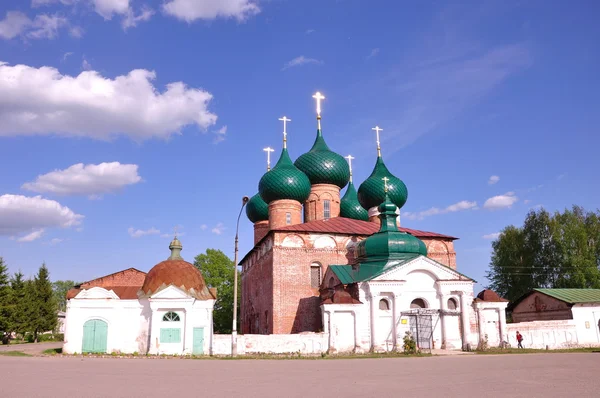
(95, 336)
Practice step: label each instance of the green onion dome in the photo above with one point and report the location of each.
(389, 243)
(371, 191)
(322, 166)
(257, 210)
(350, 206)
(284, 181)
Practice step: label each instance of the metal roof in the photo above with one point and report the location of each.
(342, 225)
(573, 296)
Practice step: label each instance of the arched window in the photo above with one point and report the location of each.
(315, 275)
(384, 305)
(418, 303)
(288, 218)
(331, 282)
(452, 304)
(326, 209)
(171, 317)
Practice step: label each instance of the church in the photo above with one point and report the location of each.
(165, 311)
(343, 265)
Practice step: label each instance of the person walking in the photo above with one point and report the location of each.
(519, 339)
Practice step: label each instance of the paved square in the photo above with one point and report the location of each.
(528, 375)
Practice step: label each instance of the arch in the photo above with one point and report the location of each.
(171, 317)
(325, 242)
(384, 305)
(419, 303)
(326, 196)
(440, 245)
(293, 240)
(452, 304)
(95, 336)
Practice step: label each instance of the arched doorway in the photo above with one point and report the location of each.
(418, 303)
(95, 336)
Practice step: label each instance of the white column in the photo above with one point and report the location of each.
(502, 319)
(373, 297)
(481, 324)
(464, 315)
(395, 321)
(443, 320)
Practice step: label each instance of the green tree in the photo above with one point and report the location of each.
(60, 289)
(5, 302)
(217, 270)
(558, 250)
(18, 319)
(41, 307)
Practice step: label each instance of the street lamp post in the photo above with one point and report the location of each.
(245, 200)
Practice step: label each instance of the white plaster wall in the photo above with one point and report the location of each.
(127, 321)
(586, 318)
(539, 334)
(303, 343)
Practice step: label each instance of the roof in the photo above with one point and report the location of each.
(349, 226)
(123, 292)
(490, 296)
(136, 278)
(367, 271)
(178, 273)
(573, 296)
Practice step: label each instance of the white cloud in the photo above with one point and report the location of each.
(66, 55)
(46, 26)
(501, 201)
(204, 227)
(220, 135)
(20, 214)
(138, 233)
(85, 64)
(191, 10)
(43, 26)
(41, 101)
(493, 180)
(107, 8)
(561, 176)
(14, 24)
(309, 31)
(90, 179)
(131, 20)
(459, 206)
(55, 241)
(373, 53)
(76, 31)
(527, 201)
(218, 229)
(495, 235)
(301, 60)
(35, 235)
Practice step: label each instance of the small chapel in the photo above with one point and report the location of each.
(165, 311)
(344, 265)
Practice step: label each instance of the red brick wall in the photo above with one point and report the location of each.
(257, 293)
(539, 307)
(128, 277)
(314, 208)
(441, 250)
(278, 210)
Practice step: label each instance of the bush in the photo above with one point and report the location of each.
(410, 345)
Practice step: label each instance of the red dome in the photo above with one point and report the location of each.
(490, 295)
(178, 273)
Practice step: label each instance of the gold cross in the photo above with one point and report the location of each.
(285, 120)
(268, 150)
(350, 157)
(377, 130)
(175, 229)
(385, 184)
(318, 96)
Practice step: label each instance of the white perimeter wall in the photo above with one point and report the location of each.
(305, 344)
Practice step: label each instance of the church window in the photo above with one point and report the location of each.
(315, 275)
(288, 218)
(326, 209)
(384, 305)
(171, 317)
(452, 304)
(418, 303)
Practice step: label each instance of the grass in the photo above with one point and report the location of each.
(52, 351)
(536, 351)
(13, 354)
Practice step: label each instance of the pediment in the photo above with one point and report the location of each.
(170, 292)
(421, 264)
(97, 293)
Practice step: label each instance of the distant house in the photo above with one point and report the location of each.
(61, 321)
(580, 307)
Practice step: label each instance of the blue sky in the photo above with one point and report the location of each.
(120, 119)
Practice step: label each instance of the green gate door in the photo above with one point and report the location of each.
(198, 348)
(95, 334)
